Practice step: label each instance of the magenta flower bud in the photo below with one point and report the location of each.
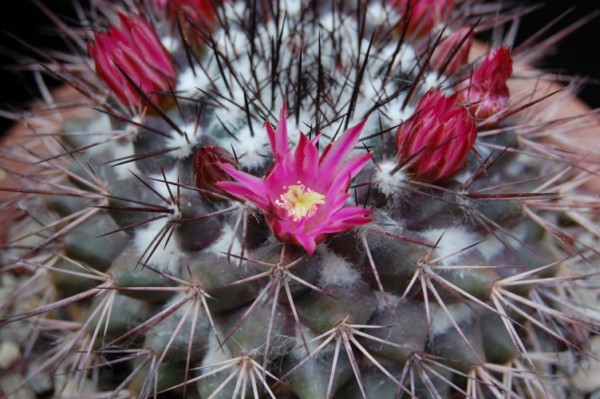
(206, 167)
(487, 93)
(421, 16)
(452, 52)
(159, 4)
(437, 139)
(304, 194)
(133, 50)
(195, 17)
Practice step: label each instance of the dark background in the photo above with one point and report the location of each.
(577, 55)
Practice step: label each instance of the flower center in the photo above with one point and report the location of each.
(300, 202)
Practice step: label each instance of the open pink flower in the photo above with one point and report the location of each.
(487, 93)
(136, 51)
(421, 16)
(303, 195)
(437, 139)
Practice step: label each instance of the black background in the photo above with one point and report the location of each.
(576, 55)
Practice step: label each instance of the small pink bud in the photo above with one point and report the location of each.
(453, 51)
(133, 50)
(487, 93)
(421, 16)
(206, 169)
(195, 17)
(159, 4)
(437, 139)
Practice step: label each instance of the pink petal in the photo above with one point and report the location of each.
(278, 138)
(307, 242)
(306, 160)
(342, 147)
(352, 167)
(243, 192)
(254, 184)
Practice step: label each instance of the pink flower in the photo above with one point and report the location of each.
(453, 51)
(487, 93)
(303, 195)
(437, 139)
(133, 50)
(421, 16)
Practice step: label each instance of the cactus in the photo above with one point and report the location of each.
(294, 199)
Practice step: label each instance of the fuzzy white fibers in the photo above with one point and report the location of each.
(387, 183)
(184, 144)
(158, 183)
(441, 322)
(165, 258)
(452, 244)
(252, 151)
(336, 270)
(121, 150)
(221, 246)
(385, 299)
(216, 353)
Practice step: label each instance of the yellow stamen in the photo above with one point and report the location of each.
(300, 202)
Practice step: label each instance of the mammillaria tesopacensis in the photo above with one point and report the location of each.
(298, 199)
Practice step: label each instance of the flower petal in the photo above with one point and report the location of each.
(306, 159)
(342, 147)
(278, 138)
(256, 189)
(244, 193)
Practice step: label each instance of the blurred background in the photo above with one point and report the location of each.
(578, 54)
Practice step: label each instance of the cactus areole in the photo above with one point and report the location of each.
(297, 199)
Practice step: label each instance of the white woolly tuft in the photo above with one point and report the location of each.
(158, 183)
(381, 14)
(103, 124)
(452, 243)
(441, 323)
(336, 270)
(190, 84)
(184, 143)
(387, 183)
(165, 258)
(396, 112)
(221, 246)
(216, 353)
(234, 10)
(407, 58)
(103, 127)
(385, 299)
(122, 149)
(292, 7)
(433, 81)
(492, 246)
(252, 152)
(170, 43)
(230, 42)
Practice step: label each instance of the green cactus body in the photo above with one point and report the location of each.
(133, 268)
